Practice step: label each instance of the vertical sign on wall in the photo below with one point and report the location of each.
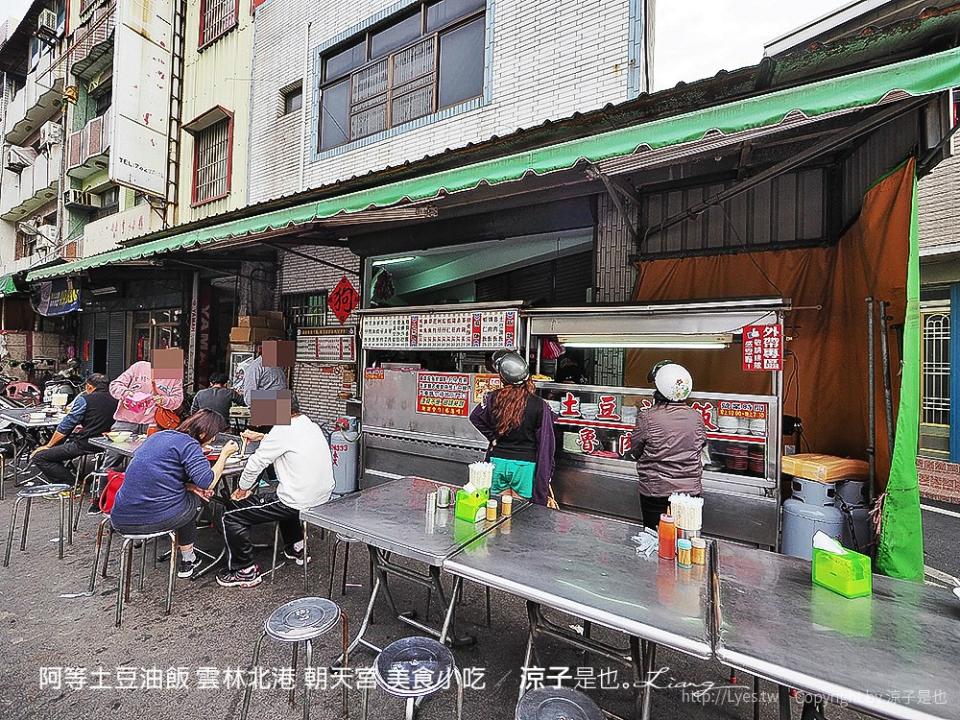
(140, 112)
(762, 348)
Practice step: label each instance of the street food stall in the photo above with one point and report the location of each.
(719, 342)
(424, 371)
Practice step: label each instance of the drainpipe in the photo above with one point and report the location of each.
(304, 104)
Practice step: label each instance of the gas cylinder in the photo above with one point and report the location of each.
(853, 501)
(345, 449)
(809, 510)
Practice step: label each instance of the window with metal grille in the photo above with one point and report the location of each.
(935, 325)
(211, 173)
(217, 17)
(305, 310)
(419, 62)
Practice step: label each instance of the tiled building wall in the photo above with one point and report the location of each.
(939, 480)
(544, 61)
(321, 387)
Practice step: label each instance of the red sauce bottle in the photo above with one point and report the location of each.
(667, 534)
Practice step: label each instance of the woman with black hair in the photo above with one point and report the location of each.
(166, 480)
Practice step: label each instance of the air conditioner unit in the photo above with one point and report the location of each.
(51, 133)
(47, 24)
(79, 200)
(14, 160)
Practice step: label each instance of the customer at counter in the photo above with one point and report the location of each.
(519, 426)
(667, 442)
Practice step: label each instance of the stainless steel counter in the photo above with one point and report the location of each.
(895, 654)
(587, 566)
(392, 517)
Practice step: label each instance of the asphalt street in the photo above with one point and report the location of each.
(64, 658)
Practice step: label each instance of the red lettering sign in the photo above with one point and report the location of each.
(587, 439)
(570, 406)
(706, 412)
(762, 348)
(607, 408)
(343, 300)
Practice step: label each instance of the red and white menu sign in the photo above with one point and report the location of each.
(471, 330)
(762, 348)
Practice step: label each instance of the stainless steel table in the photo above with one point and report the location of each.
(391, 520)
(587, 566)
(21, 418)
(127, 448)
(895, 654)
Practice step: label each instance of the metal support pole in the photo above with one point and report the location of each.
(887, 381)
(871, 403)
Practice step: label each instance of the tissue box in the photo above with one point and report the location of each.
(471, 507)
(848, 574)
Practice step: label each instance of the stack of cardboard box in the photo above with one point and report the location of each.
(251, 329)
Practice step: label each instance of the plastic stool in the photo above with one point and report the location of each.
(29, 495)
(556, 703)
(300, 621)
(413, 669)
(126, 561)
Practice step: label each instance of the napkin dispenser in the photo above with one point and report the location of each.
(471, 506)
(843, 571)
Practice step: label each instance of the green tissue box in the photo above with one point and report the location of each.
(848, 574)
(471, 507)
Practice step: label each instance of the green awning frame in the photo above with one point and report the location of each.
(919, 76)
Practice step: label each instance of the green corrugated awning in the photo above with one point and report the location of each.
(919, 76)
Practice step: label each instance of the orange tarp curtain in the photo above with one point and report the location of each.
(825, 371)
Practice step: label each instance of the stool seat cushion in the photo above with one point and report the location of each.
(302, 619)
(414, 667)
(557, 703)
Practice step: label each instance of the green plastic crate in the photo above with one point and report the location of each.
(848, 574)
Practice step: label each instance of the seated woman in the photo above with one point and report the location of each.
(166, 480)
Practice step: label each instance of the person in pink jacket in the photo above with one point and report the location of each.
(140, 394)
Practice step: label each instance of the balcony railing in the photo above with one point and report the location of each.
(36, 185)
(88, 149)
(38, 100)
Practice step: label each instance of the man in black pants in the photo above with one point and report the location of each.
(298, 451)
(90, 416)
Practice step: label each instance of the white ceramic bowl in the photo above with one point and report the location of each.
(119, 435)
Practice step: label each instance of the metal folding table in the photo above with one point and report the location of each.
(391, 519)
(21, 418)
(894, 654)
(587, 566)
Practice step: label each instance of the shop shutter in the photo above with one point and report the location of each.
(116, 340)
(87, 335)
(573, 276)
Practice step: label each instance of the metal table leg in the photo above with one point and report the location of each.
(783, 702)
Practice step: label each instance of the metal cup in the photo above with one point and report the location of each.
(431, 501)
(443, 497)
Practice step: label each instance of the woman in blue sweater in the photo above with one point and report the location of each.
(166, 480)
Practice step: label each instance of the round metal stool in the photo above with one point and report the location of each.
(126, 565)
(557, 703)
(28, 495)
(415, 668)
(300, 621)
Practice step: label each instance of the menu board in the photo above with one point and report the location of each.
(466, 330)
(327, 344)
(443, 393)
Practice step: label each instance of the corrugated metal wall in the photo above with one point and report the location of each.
(116, 343)
(788, 210)
(883, 150)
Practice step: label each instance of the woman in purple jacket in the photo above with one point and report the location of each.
(519, 426)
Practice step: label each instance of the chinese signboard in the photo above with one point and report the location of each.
(55, 297)
(482, 384)
(470, 330)
(327, 344)
(762, 348)
(140, 112)
(343, 299)
(443, 393)
(739, 409)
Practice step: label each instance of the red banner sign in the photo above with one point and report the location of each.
(762, 348)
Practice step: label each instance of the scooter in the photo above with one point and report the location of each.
(61, 386)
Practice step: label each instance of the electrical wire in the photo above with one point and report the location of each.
(749, 254)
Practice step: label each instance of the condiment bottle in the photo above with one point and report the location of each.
(491, 509)
(667, 535)
(506, 505)
(698, 554)
(684, 549)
